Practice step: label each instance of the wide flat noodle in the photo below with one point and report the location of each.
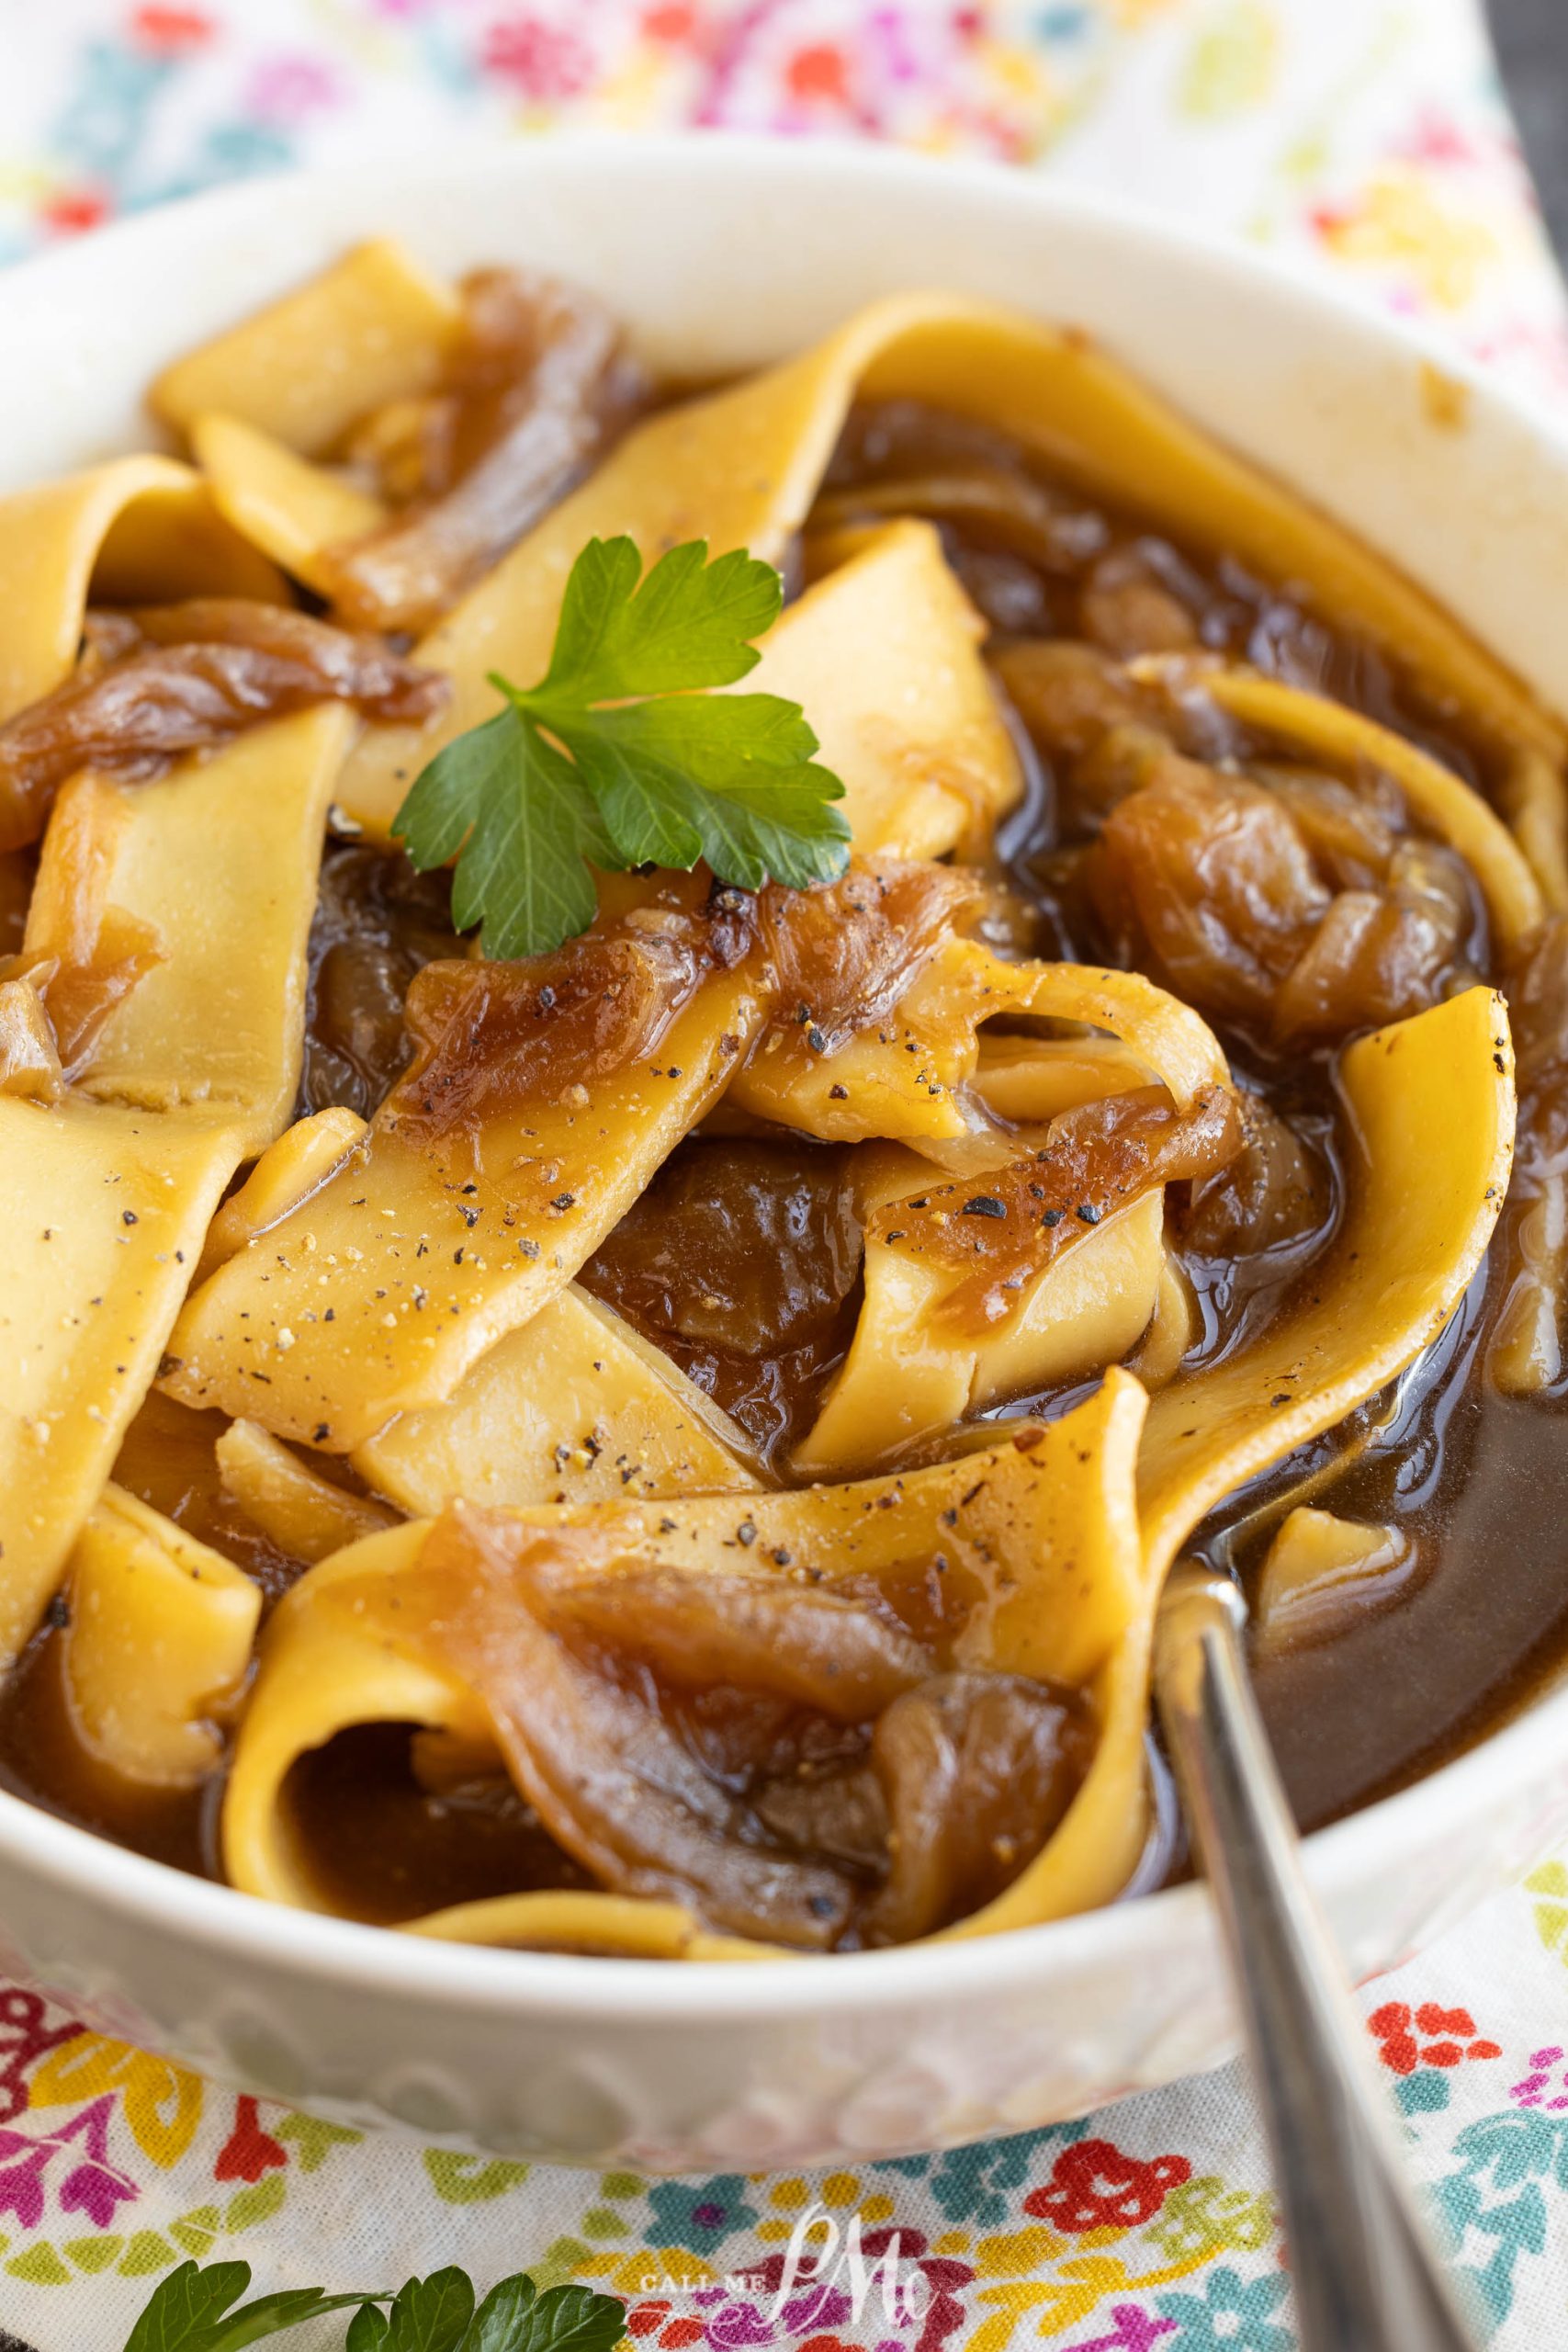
(908, 1379)
(909, 1376)
(631, 1926)
(739, 468)
(143, 530)
(373, 328)
(109, 1208)
(1431, 1109)
(158, 1643)
(1041, 1551)
(434, 1238)
(336, 1677)
(219, 858)
(883, 656)
(575, 1406)
(303, 1512)
(291, 510)
(904, 1079)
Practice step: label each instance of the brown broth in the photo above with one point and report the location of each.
(1444, 1458)
(389, 1849)
(741, 1262)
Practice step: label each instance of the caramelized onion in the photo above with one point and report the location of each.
(1067, 695)
(1099, 1157)
(839, 957)
(1206, 878)
(377, 922)
(29, 1056)
(1381, 955)
(190, 677)
(1126, 608)
(749, 1246)
(805, 1644)
(488, 1033)
(1301, 908)
(991, 505)
(604, 1763)
(80, 986)
(740, 1261)
(539, 382)
(1274, 1192)
(976, 1770)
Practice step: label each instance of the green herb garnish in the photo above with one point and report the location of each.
(192, 2311)
(620, 756)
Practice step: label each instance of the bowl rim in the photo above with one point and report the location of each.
(631, 1991)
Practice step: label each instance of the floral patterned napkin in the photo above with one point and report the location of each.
(1368, 136)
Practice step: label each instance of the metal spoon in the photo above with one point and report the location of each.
(1366, 2275)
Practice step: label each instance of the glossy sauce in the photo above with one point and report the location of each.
(741, 1258)
(1444, 1457)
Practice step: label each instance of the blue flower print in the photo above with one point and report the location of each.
(1232, 2315)
(699, 2214)
(976, 2185)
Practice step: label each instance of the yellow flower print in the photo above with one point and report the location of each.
(1397, 222)
(1550, 1885)
(162, 2102)
(1230, 68)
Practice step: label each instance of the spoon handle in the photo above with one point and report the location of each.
(1365, 2275)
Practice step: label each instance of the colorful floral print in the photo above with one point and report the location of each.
(1366, 136)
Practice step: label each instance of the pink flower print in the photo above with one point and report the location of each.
(1135, 2331)
(822, 2306)
(22, 2165)
(1532, 2090)
(286, 89)
(544, 60)
(96, 2186)
(1438, 138)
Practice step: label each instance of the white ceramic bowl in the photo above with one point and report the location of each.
(720, 253)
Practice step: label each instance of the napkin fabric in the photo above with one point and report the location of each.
(1365, 137)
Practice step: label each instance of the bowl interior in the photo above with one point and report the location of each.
(719, 253)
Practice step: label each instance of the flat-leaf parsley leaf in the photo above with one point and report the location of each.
(190, 2312)
(621, 755)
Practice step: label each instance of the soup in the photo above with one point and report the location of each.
(652, 1185)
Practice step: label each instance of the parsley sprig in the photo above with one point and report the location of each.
(193, 2310)
(620, 756)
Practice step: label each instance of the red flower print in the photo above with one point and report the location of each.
(171, 28)
(1396, 2029)
(941, 2311)
(543, 61)
(644, 2318)
(248, 2152)
(819, 72)
(24, 2037)
(71, 209)
(681, 2332)
(675, 22)
(1094, 2187)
